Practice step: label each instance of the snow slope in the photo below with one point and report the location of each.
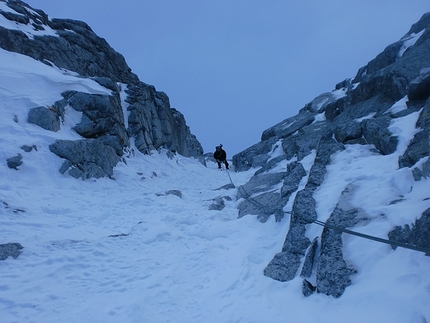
(124, 250)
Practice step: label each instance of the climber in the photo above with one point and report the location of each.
(220, 156)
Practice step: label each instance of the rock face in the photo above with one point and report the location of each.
(72, 45)
(418, 235)
(358, 111)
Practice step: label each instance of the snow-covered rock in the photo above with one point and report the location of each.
(383, 110)
(129, 108)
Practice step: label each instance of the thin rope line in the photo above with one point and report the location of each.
(366, 236)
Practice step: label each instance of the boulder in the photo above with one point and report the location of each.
(10, 250)
(28, 148)
(376, 132)
(418, 235)
(217, 204)
(46, 118)
(283, 266)
(14, 162)
(86, 158)
(307, 288)
(347, 131)
(419, 88)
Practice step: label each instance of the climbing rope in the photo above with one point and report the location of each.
(245, 193)
(366, 236)
(228, 173)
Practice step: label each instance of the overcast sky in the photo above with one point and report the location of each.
(237, 67)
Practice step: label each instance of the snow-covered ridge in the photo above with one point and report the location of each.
(28, 28)
(132, 110)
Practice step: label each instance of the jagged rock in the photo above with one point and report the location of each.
(260, 183)
(218, 204)
(391, 83)
(262, 205)
(107, 83)
(226, 187)
(307, 288)
(283, 266)
(177, 193)
(418, 235)
(289, 126)
(376, 132)
(86, 158)
(28, 148)
(45, 118)
(102, 117)
(296, 242)
(14, 162)
(335, 108)
(347, 131)
(309, 259)
(419, 146)
(270, 165)
(304, 207)
(304, 141)
(152, 122)
(326, 147)
(10, 249)
(422, 173)
(77, 48)
(320, 103)
(419, 88)
(333, 273)
(295, 173)
(254, 156)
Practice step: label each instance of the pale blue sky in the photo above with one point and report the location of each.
(236, 67)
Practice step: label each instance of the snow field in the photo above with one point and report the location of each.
(122, 250)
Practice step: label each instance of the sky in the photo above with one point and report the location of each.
(125, 250)
(236, 68)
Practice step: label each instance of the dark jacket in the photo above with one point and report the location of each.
(220, 154)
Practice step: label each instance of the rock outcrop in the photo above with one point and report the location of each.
(12, 249)
(72, 45)
(358, 111)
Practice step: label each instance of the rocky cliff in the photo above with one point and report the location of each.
(359, 111)
(105, 128)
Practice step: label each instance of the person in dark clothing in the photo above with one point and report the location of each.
(220, 156)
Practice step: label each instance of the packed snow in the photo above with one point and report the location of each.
(127, 250)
